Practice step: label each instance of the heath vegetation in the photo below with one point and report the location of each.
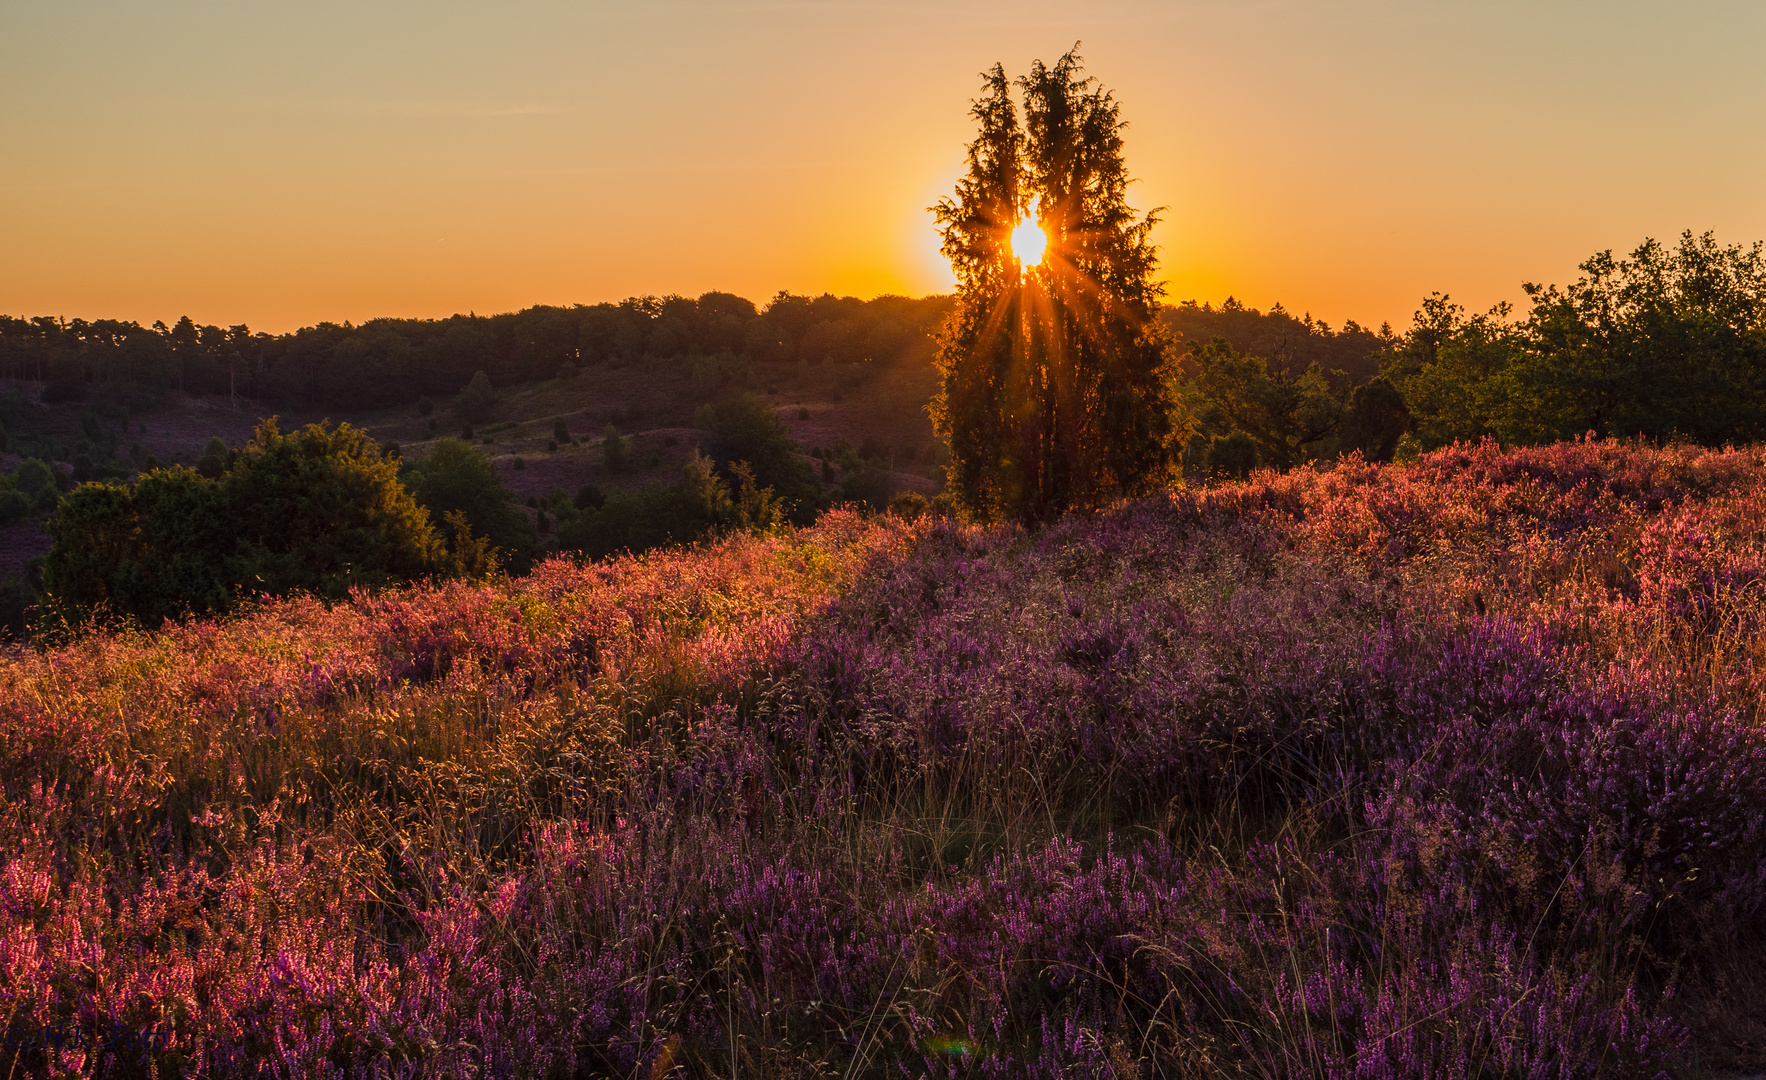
(1452, 769)
(1250, 698)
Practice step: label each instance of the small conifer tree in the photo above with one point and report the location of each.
(613, 449)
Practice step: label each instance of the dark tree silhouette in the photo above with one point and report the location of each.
(1057, 377)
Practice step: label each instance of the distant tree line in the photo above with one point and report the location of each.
(392, 361)
(1666, 344)
(1290, 344)
(1269, 390)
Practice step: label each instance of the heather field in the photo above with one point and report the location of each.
(1454, 769)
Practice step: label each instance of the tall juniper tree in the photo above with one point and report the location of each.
(1057, 389)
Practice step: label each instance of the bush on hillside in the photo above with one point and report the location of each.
(18, 602)
(748, 429)
(457, 477)
(700, 503)
(15, 506)
(317, 510)
(475, 402)
(34, 477)
(869, 487)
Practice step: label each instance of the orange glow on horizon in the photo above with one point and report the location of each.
(283, 165)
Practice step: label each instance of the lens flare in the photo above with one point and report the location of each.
(951, 1046)
(1029, 241)
(665, 1061)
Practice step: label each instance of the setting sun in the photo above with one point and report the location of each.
(1029, 242)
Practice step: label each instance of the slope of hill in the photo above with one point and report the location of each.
(1450, 769)
(820, 405)
(103, 400)
(875, 405)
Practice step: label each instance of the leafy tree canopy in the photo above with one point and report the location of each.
(1668, 343)
(321, 510)
(1287, 418)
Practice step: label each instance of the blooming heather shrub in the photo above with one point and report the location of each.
(1693, 559)
(1453, 769)
(427, 728)
(1378, 962)
(1653, 804)
(1294, 641)
(1158, 660)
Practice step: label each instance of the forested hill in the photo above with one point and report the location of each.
(388, 361)
(392, 361)
(1668, 344)
(383, 362)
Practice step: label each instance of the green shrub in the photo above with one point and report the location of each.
(15, 506)
(456, 476)
(613, 449)
(908, 505)
(318, 510)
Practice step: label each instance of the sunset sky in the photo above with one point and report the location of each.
(279, 164)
